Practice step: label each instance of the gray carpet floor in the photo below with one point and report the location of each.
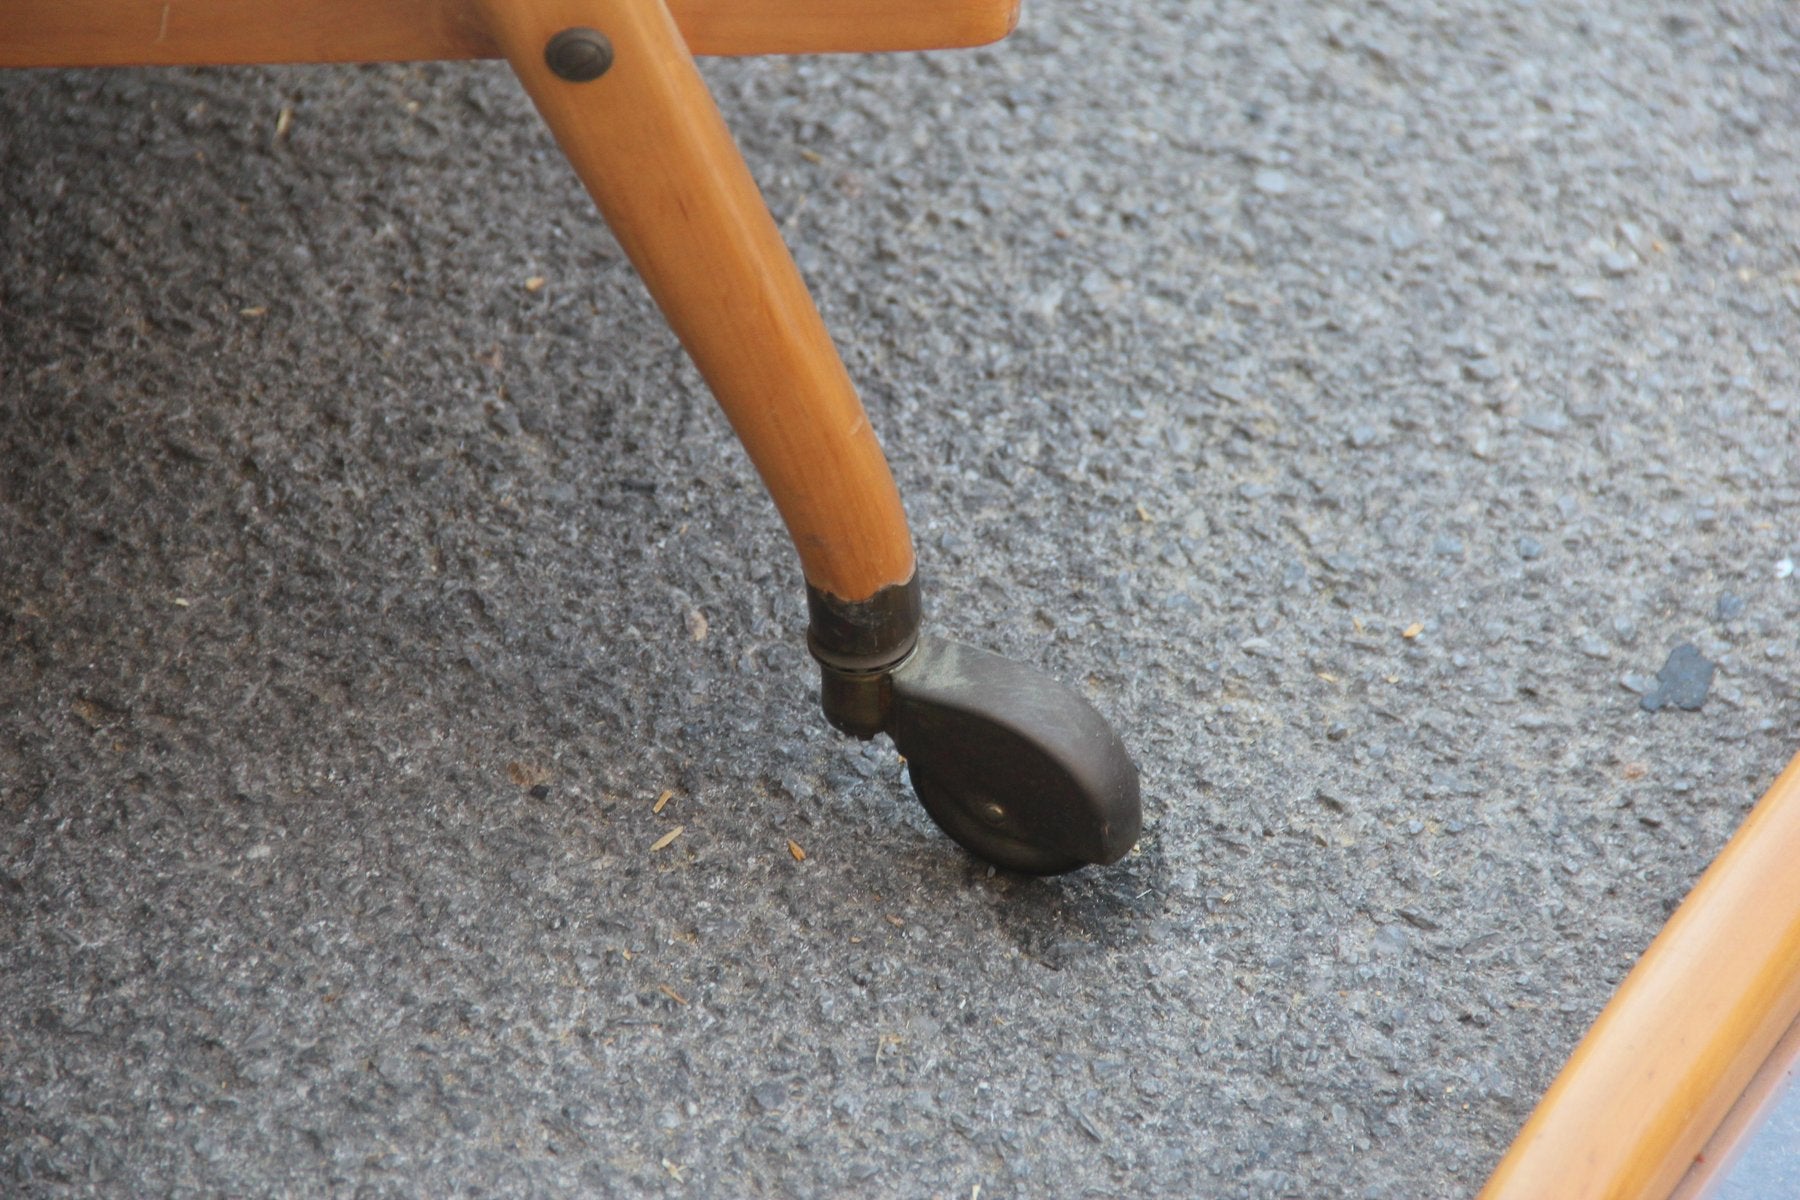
(1359, 404)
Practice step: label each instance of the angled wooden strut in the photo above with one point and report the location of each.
(1021, 770)
(647, 140)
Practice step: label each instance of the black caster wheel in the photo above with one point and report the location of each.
(986, 827)
(1017, 768)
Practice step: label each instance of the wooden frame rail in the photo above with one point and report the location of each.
(120, 33)
(1687, 1030)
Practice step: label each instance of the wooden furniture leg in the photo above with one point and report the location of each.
(1011, 764)
(647, 140)
(1016, 767)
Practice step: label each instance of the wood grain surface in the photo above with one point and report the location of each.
(73, 33)
(649, 143)
(1684, 1034)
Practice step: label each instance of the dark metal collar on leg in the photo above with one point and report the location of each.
(858, 644)
(864, 635)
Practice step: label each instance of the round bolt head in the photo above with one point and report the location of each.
(579, 54)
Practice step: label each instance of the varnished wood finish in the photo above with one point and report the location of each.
(1738, 1131)
(1685, 1032)
(828, 26)
(122, 33)
(654, 152)
(651, 147)
(113, 33)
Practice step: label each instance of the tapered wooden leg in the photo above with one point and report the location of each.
(1016, 767)
(649, 143)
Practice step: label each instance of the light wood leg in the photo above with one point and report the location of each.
(649, 143)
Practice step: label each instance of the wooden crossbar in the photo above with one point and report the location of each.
(115, 33)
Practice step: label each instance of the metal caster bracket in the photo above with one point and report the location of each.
(1018, 768)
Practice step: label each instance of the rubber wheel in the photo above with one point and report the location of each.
(982, 825)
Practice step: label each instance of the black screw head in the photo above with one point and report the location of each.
(579, 54)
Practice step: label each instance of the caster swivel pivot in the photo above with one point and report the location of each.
(1013, 765)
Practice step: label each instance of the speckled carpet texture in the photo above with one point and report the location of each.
(1386, 415)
